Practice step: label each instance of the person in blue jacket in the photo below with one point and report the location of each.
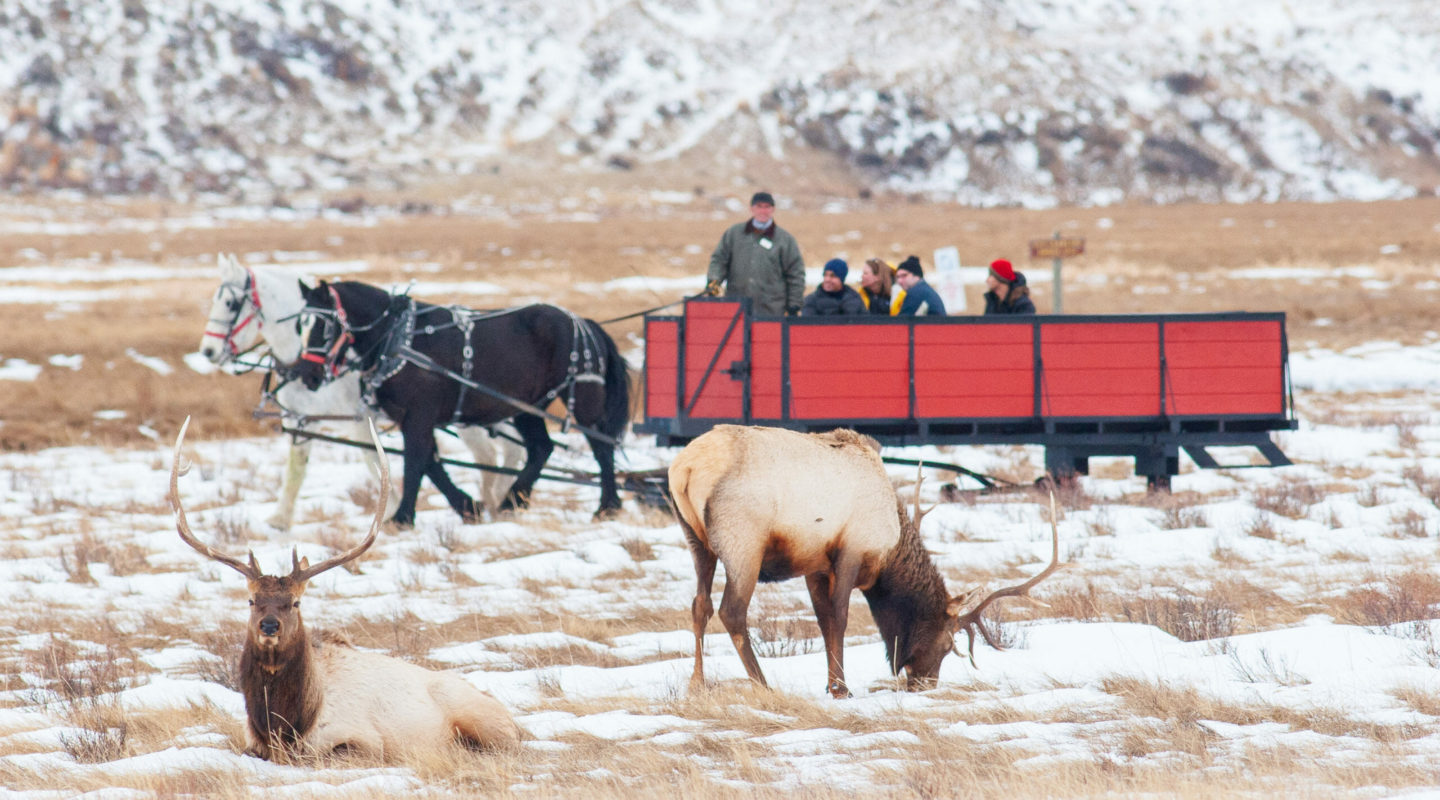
(833, 297)
(920, 298)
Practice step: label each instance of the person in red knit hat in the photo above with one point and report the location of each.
(1008, 293)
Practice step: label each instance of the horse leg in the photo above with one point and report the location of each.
(491, 450)
(294, 476)
(419, 453)
(604, 453)
(537, 450)
(458, 500)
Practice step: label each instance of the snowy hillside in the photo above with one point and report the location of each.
(1025, 101)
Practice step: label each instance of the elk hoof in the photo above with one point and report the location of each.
(838, 690)
(606, 514)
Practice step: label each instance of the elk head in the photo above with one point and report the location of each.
(934, 636)
(275, 622)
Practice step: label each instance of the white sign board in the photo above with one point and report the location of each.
(946, 281)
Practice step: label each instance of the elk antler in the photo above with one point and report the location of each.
(919, 481)
(251, 570)
(971, 619)
(299, 573)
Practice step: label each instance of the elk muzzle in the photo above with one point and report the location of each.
(269, 627)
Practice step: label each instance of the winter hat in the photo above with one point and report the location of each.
(839, 267)
(762, 197)
(912, 266)
(1002, 270)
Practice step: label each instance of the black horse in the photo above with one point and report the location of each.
(426, 366)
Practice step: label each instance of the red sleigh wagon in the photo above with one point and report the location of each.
(1139, 385)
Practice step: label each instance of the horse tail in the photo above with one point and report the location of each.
(617, 384)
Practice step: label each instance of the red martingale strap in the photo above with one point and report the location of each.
(333, 358)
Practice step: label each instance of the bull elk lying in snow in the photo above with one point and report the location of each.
(318, 695)
(774, 504)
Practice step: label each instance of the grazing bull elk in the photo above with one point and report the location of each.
(318, 695)
(774, 504)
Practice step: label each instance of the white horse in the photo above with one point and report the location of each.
(264, 302)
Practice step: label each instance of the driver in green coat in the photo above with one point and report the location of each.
(758, 260)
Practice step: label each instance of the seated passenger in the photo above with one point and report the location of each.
(878, 290)
(1008, 293)
(833, 297)
(920, 299)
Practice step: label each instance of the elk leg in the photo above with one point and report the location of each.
(734, 605)
(819, 585)
(842, 582)
(294, 476)
(537, 450)
(701, 609)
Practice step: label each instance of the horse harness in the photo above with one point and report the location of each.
(395, 350)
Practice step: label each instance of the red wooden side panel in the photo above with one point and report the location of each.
(1109, 369)
(974, 371)
(705, 328)
(766, 381)
(833, 376)
(1225, 367)
(662, 367)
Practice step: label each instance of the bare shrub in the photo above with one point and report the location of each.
(1177, 517)
(1407, 597)
(638, 547)
(232, 529)
(1265, 667)
(1183, 615)
(1082, 603)
(364, 495)
(123, 558)
(1102, 523)
(1405, 437)
(1370, 495)
(1410, 524)
(100, 732)
(1424, 483)
(1288, 498)
(222, 661)
(74, 673)
(1261, 527)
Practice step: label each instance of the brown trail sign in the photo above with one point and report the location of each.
(1056, 248)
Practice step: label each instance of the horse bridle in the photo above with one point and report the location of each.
(247, 294)
(330, 357)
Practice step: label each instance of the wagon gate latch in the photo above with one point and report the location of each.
(739, 370)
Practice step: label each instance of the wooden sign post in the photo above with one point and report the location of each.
(1058, 249)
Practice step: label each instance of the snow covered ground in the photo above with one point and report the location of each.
(1149, 660)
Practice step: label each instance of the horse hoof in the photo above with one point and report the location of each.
(278, 523)
(606, 514)
(395, 525)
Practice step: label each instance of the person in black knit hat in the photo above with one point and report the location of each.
(920, 298)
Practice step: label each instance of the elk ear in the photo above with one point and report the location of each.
(959, 601)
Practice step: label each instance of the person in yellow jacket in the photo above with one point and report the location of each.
(878, 289)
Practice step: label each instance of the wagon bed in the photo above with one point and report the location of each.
(1139, 385)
